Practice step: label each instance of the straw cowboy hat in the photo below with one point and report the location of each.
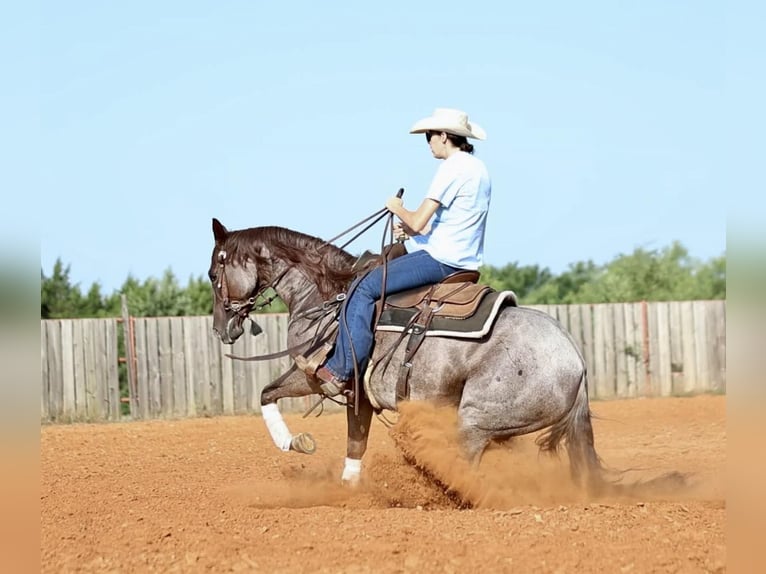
(450, 121)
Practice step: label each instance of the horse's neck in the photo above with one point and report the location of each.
(297, 291)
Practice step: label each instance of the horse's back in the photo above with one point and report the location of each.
(526, 354)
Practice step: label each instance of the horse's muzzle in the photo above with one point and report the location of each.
(232, 331)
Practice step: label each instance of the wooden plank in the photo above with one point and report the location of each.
(111, 357)
(165, 363)
(227, 368)
(203, 368)
(620, 351)
(703, 347)
(78, 358)
(237, 369)
(44, 383)
(216, 350)
(717, 326)
(562, 316)
(55, 371)
(610, 351)
(131, 366)
(654, 352)
(632, 338)
(215, 356)
(644, 376)
(228, 393)
(143, 382)
(153, 367)
(212, 365)
(688, 348)
(93, 339)
(67, 371)
(601, 383)
(179, 366)
(676, 347)
(574, 320)
(190, 348)
(663, 358)
(586, 313)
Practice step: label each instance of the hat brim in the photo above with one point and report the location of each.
(474, 131)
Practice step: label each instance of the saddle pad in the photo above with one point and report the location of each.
(474, 327)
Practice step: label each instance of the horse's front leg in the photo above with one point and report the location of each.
(290, 384)
(358, 433)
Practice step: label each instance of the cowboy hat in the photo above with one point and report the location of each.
(450, 121)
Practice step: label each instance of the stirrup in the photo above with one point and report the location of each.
(332, 388)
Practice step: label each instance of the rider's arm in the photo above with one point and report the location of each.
(417, 221)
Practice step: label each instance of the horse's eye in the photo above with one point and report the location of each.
(211, 276)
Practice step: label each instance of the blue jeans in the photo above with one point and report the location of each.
(406, 272)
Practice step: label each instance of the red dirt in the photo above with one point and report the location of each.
(213, 495)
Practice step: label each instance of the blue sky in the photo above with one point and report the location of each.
(605, 121)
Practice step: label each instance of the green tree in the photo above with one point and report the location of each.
(658, 275)
(563, 289)
(58, 297)
(520, 280)
(655, 275)
(155, 297)
(200, 296)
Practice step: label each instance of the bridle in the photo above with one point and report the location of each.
(243, 308)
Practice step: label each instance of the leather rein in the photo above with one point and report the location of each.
(243, 308)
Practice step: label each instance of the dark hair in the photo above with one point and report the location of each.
(460, 142)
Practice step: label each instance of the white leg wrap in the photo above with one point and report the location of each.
(352, 470)
(277, 427)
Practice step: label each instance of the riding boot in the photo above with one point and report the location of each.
(329, 383)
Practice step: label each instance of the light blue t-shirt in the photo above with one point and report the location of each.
(463, 189)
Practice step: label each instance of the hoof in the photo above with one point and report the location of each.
(304, 443)
(351, 482)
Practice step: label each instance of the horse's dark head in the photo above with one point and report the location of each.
(235, 284)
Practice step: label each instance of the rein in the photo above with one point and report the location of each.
(377, 216)
(321, 311)
(244, 308)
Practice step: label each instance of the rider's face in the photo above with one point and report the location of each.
(437, 142)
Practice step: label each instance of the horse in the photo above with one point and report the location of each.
(525, 375)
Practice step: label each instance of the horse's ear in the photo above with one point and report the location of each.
(219, 231)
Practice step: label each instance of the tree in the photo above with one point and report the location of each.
(520, 280)
(665, 275)
(58, 297)
(655, 275)
(563, 289)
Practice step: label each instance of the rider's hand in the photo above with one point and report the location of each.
(393, 204)
(399, 233)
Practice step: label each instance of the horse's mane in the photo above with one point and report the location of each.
(328, 266)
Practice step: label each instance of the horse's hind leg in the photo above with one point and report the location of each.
(474, 442)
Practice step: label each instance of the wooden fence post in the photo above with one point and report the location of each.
(130, 355)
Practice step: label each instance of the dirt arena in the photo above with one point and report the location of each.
(214, 495)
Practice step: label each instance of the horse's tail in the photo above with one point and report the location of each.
(575, 429)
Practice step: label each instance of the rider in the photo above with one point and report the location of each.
(447, 229)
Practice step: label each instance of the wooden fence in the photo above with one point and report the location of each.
(180, 368)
